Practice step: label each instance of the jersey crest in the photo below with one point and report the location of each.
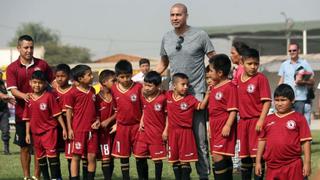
(157, 107)
(183, 106)
(218, 96)
(133, 97)
(251, 88)
(43, 106)
(291, 124)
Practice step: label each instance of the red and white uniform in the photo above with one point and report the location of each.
(106, 110)
(251, 95)
(18, 76)
(150, 141)
(222, 100)
(40, 112)
(83, 105)
(283, 136)
(128, 115)
(181, 142)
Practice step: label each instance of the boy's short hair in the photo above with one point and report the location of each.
(38, 75)
(284, 90)
(179, 76)
(153, 77)
(123, 67)
(79, 71)
(144, 61)
(105, 75)
(240, 46)
(251, 53)
(221, 62)
(24, 38)
(64, 68)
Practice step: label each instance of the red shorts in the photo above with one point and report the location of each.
(145, 150)
(124, 140)
(45, 144)
(68, 149)
(292, 171)
(85, 142)
(218, 143)
(181, 145)
(105, 143)
(248, 137)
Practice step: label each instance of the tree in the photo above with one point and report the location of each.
(55, 52)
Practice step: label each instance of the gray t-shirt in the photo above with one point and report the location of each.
(190, 58)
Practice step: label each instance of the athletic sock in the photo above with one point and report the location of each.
(111, 166)
(85, 169)
(177, 170)
(246, 168)
(185, 171)
(222, 170)
(91, 175)
(142, 168)
(125, 168)
(106, 169)
(43, 165)
(158, 169)
(213, 167)
(54, 167)
(262, 170)
(75, 178)
(230, 168)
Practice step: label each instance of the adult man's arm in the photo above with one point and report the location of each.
(163, 65)
(280, 80)
(211, 54)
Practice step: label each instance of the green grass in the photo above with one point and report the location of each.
(10, 164)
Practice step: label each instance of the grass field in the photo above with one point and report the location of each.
(10, 165)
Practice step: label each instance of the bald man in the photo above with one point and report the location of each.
(184, 48)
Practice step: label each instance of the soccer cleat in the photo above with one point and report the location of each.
(34, 178)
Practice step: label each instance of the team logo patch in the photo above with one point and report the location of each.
(251, 88)
(43, 106)
(157, 107)
(94, 97)
(291, 124)
(183, 106)
(218, 95)
(133, 97)
(77, 145)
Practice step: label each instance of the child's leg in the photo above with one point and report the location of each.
(91, 165)
(75, 167)
(69, 167)
(84, 168)
(54, 167)
(185, 170)
(223, 167)
(106, 169)
(59, 164)
(246, 168)
(125, 168)
(263, 169)
(158, 169)
(142, 168)
(43, 165)
(177, 170)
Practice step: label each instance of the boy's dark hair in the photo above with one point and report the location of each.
(179, 76)
(105, 75)
(207, 68)
(79, 71)
(221, 62)
(144, 61)
(153, 77)
(250, 53)
(39, 75)
(64, 68)
(240, 46)
(123, 67)
(284, 90)
(24, 38)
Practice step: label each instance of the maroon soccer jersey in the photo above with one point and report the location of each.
(128, 104)
(105, 107)
(180, 111)
(154, 118)
(251, 94)
(223, 98)
(61, 96)
(18, 76)
(283, 136)
(41, 112)
(83, 105)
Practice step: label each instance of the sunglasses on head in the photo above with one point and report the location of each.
(292, 50)
(179, 43)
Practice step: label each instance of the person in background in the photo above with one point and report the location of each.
(144, 65)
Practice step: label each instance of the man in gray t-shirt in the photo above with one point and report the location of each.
(184, 48)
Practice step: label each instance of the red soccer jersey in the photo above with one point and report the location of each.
(41, 112)
(105, 106)
(154, 118)
(283, 136)
(83, 105)
(251, 94)
(18, 76)
(61, 96)
(223, 98)
(180, 111)
(128, 104)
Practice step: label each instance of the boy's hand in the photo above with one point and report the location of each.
(209, 132)
(141, 126)
(259, 125)
(225, 131)
(165, 135)
(104, 124)
(64, 134)
(113, 129)
(306, 169)
(258, 169)
(28, 140)
(96, 125)
(70, 134)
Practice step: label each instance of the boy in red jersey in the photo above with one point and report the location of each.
(107, 115)
(40, 114)
(152, 134)
(281, 138)
(223, 106)
(62, 77)
(181, 143)
(254, 99)
(83, 121)
(126, 94)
